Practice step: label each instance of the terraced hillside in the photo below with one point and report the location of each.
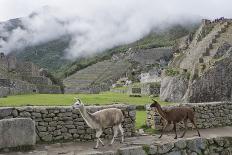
(101, 76)
(202, 71)
(97, 77)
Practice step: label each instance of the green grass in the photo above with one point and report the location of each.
(140, 122)
(90, 99)
(68, 99)
(140, 118)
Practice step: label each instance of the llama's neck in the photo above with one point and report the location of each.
(86, 116)
(160, 111)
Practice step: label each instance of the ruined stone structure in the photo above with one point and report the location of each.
(208, 115)
(65, 123)
(18, 77)
(100, 76)
(206, 62)
(153, 75)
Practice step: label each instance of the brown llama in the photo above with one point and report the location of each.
(175, 115)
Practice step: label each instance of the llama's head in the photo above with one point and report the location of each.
(154, 104)
(78, 104)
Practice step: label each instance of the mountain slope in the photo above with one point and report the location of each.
(50, 54)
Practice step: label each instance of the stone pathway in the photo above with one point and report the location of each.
(86, 148)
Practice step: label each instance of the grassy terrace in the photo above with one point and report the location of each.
(67, 99)
(90, 99)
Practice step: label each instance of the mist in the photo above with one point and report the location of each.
(95, 26)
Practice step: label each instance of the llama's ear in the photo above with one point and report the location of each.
(77, 99)
(153, 100)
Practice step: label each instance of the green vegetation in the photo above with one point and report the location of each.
(89, 99)
(68, 99)
(171, 72)
(50, 55)
(140, 119)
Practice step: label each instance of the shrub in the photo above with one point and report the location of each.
(171, 72)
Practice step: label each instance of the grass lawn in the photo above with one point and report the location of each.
(140, 118)
(68, 99)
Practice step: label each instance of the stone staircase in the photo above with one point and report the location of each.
(201, 51)
(222, 35)
(96, 78)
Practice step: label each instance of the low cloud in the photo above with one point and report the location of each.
(95, 26)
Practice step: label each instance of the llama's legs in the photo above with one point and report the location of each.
(185, 127)
(174, 127)
(192, 121)
(164, 128)
(122, 132)
(98, 134)
(115, 128)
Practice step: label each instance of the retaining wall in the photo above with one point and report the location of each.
(190, 146)
(207, 115)
(65, 123)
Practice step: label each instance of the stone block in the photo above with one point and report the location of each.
(4, 112)
(17, 132)
(135, 150)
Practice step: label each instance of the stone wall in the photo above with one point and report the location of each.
(207, 115)
(48, 89)
(4, 91)
(28, 69)
(151, 56)
(21, 87)
(190, 146)
(150, 89)
(65, 123)
(38, 80)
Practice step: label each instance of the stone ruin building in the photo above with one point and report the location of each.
(17, 77)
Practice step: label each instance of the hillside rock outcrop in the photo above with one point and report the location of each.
(173, 88)
(208, 61)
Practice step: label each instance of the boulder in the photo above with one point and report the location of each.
(173, 88)
(17, 132)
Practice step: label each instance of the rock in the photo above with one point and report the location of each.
(196, 144)
(153, 150)
(164, 148)
(41, 128)
(4, 112)
(38, 153)
(17, 132)
(174, 153)
(47, 138)
(133, 150)
(181, 144)
(174, 88)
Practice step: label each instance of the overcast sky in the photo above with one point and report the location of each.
(97, 25)
(209, 8)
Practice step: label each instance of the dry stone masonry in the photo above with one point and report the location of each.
(65, 123)
(194, 146)
(190, 146)
(208, 115)
(17, 77)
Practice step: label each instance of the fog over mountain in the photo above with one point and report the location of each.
(95, 26)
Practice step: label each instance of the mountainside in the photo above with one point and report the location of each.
(100, 76)
(202, 71)
(50, 54)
